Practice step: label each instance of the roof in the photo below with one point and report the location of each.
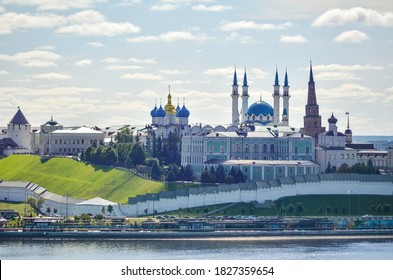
(19, 118)
(360, 146)
(77, 131)
(8, 142)
(97, 201)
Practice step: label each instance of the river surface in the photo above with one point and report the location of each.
(217, 249)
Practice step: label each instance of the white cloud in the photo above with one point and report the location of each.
(234, 36)
(141, 76)
(123, 67)
(350, 92)
(389, 89)
(252, 25)
(53, 76)
(171, 72)
(47, 48)
(171, 36)
(99, 29)
(111, 60)
(164, 7)
(4, 73)
(55, 4)
(14, 21)
(354, 15)
(148, 94)
(45, 91)
(336, 76)
(83, 62)
(36, 58)
(253, 73)
(293, 39)
(340, 67)
(95, 44)
(143, 61)
(2, 10)
(214, 8)
(224, 71)
(352, 36)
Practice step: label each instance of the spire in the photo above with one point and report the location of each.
(347, 113)
(276, 83)
(311, 75)
(286, 79)
(235, 78)
(245, 78)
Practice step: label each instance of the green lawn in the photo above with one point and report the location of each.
(67, 176)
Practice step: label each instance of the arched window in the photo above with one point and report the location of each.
(296, 149)
(307, 150)
(246, 149)
(264, 148)
(342, 156)
(255, 148)
(272, 148)
(237, 148)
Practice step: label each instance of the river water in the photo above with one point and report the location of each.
(360, 248)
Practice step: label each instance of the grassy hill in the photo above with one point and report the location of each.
(66, 176)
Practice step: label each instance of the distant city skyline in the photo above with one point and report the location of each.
(96, 62)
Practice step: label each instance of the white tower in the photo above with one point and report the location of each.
(245, 97)
(19, 130)
(235, 100)
(276, 98)
(285, 97)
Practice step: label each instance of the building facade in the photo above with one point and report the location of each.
(332, 151)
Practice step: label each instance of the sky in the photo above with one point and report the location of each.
(97, 62)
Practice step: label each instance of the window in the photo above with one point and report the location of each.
(342, 156)
(296, 149)
(246, 149)
(255, 148)
(222, 149)
(211, 149)
(307, 150)
(272, 148)
(237, 148)
(264, 148)
(61, 141)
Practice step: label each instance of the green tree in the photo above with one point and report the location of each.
(125, 135)
(220, 174)
(137, 154)
(299, 207)
(344, 168)
(229, 179)
(110, 209)
(156, 172)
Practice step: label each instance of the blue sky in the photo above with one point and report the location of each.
(97, 62)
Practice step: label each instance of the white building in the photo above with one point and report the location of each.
(74, 141)
(331, 150)
(41, 137)
(18, 137)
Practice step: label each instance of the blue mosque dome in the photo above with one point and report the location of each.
(183, 113)
(260, 108)
(153, 112)
(160, 112)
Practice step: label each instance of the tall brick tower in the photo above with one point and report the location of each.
(312, 119)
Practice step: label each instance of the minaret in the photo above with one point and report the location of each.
(276, 98)
(235, 101)
(285, 97)
(245, 97)
(312, 119)
(348, 131)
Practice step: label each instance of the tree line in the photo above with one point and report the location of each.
(235, 175)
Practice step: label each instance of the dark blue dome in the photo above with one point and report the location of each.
(260, 108)
(332, 119)
(183, 113)
(160, 112)
(177, 110)
(153, 112)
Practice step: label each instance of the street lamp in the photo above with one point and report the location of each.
(349, 203)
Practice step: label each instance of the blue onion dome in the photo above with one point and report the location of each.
(177, 110)
(160, 112)
(348, 131)
(153, 112)
(260, 108)
(184, 113)
(332, 119)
